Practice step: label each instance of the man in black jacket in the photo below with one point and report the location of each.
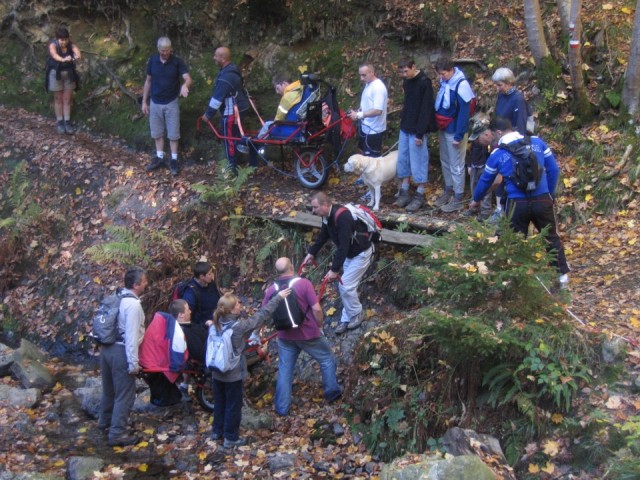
(354, 252)
(416, 122)
(228, 92)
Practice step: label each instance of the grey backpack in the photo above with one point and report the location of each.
(105, 321)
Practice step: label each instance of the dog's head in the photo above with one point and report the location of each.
(356, 163)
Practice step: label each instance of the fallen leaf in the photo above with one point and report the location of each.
(551, 448)
(614, 402)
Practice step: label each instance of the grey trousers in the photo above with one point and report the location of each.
(452, 161)
(118, 390)
(353, 270)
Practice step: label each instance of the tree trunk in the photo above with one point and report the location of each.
(581, 105)
(535, 31)
(631, 89)
(564, 11)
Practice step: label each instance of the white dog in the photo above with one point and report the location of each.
(374, 171)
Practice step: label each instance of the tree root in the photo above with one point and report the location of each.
(621, 164)
(111, 73)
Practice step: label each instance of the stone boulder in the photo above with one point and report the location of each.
(281, 461)
(82, 468)
(31, 373)
(433, 467)
(19, 397)
(89, 396)
(30, 350)
(458, 441)
(6, 360)
(6, 475)
(254, 420)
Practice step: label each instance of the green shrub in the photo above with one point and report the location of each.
(489, 334)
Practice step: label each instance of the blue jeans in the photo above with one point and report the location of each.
(413, 160)
(227, 410)
(288, 351)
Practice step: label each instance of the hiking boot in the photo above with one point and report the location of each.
(455, 203)
(340, 329)
(416, 203)
(483, 216)
(242, 148)
(60, 128)
(403, 199)
(470, 212)
(155, 164)
(444, 198)
(335, 397)
(173, 167)
(216, 436)
(366, 198)
(68, 128)
(234, 443)
(123, 441)
(356, 322)
(495, 217)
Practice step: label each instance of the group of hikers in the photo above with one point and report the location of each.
(490, 163)
(161, 350)
(493, 164)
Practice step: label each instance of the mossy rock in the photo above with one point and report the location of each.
(425, 467)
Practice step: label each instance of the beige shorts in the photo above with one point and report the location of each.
(65, 82)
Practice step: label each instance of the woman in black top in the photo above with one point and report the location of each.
(62, 78)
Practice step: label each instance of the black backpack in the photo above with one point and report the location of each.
(527, 171)
(288, 313)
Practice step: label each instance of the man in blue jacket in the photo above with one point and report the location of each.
(453, 109)
(228, 93)
(522, 207)
(201, 293)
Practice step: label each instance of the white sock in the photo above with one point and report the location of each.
(174, 156)
(160, 154)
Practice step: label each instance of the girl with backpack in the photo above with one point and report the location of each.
(227, 386)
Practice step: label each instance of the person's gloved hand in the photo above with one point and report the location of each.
(254, 339)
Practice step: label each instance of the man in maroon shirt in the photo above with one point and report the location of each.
(307, 337)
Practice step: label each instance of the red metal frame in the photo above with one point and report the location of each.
(267, 141)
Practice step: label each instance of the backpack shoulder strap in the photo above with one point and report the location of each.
(339, 212)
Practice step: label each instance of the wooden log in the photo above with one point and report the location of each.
(388, 236)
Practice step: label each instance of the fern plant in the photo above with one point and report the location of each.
(225, 186)
(141, 246)
(23, 211)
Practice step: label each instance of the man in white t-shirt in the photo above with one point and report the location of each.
(373, 112)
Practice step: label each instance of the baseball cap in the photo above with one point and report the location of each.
(480, 123)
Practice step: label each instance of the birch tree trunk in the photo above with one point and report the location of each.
(581, 106)
(631, 89)
(535, 31)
